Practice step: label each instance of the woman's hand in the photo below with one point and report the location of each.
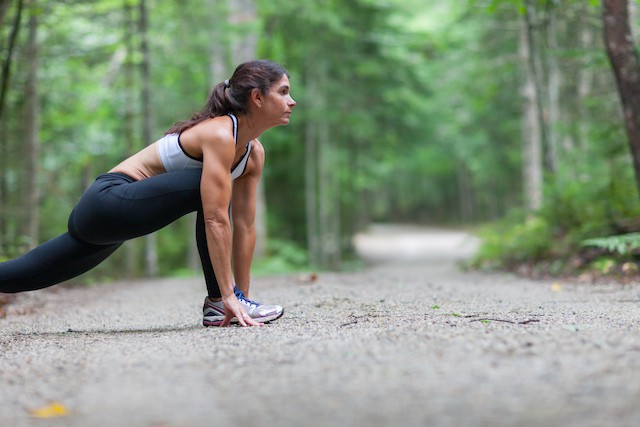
(233, 308)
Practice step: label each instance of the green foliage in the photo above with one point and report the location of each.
(372, 106)
(604, 265)
(565, 227)
(624, 244)
(592, 190)
(514, 240)
(421, 103)
(282, 257)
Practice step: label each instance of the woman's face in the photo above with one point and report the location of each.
(278, 103)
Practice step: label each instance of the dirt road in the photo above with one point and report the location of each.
(411, 341)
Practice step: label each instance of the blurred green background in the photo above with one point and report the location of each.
(498, 116)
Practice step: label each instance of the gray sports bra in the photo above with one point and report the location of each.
(174, 158)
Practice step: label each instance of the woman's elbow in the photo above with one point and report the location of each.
(217, 220)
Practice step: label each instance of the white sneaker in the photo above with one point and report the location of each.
(213, 311)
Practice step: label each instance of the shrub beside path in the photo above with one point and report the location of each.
(409, 341)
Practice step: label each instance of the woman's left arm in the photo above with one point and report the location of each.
(243, 211)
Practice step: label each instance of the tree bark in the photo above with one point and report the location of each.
(219, 66)
(537, 67)
(465, 192)
(321, 181)
(242, 13)
(329, 196)
(624, 61)
(131, 247)
(585, 79)
(554, 89)
(311, 167)
(151, 248)
(311, 186)
(5, 76)
(6, 65)
(531, 126)
(31, 121)
(327, 181)
(218, 71)
(4, 5)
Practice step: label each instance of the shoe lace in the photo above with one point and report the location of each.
(240, 296)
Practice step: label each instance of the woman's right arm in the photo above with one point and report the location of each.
(215, 188)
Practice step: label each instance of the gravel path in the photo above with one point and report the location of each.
(411, 341)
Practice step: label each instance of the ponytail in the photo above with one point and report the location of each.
(217, 105)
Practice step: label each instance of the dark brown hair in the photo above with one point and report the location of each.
(231, 96)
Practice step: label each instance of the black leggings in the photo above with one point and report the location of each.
(114, 209)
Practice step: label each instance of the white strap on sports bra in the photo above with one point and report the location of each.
(242, 164)
(174, 158)
(239, 169)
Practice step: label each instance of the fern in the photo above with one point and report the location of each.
(623, 244)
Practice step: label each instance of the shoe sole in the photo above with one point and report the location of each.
(265, 319)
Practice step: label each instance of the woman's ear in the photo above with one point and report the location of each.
(256, 97)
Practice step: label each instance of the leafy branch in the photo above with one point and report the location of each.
(623, 244)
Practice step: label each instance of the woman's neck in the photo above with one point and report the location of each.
(249, 129)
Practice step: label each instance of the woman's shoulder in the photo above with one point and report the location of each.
(257, 154)
(257, 148)
(217, 130)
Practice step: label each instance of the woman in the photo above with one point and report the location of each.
(210, 164)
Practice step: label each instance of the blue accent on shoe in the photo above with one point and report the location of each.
(240, 295)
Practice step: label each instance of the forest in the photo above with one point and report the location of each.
(516, 119)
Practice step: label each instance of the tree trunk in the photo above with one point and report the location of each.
(219, 71)
(242, 16)
(220, 68)
(465, 192)
(242, 13)
(4, 191)
(329, 196)
(531, 127)
(624, 61)
(4, 5)
(151, 249)
(131, 247)
(633, 19)
(5, 77)
(31, 121)
(311, 169)
(585, 79)
(322, 192)
(321, 181)
(554, 89)
(6, 65)
(536, 64)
